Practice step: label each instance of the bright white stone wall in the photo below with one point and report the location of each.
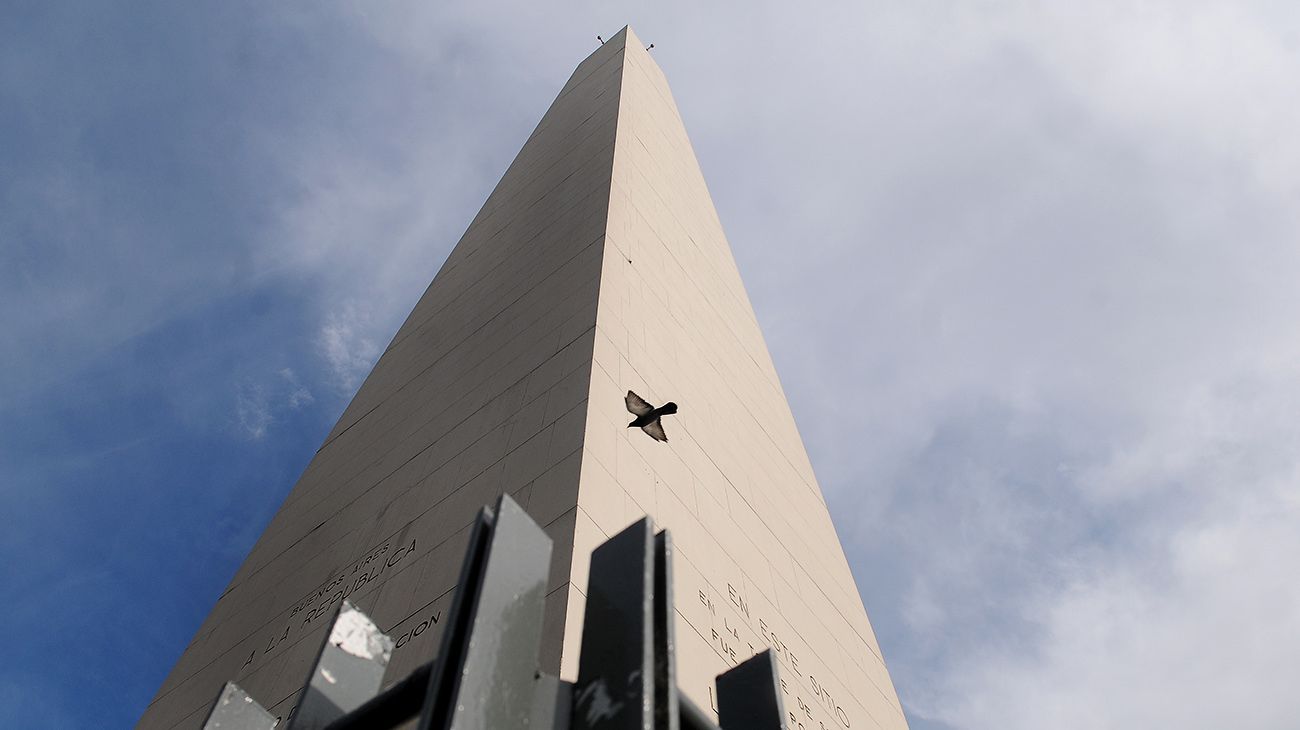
(758, 561)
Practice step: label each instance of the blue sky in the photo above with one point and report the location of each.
(1028, 272)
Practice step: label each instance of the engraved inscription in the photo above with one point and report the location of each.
(420, 628)
(320, 602)
(810, 704)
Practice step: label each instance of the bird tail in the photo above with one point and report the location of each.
(669, 407)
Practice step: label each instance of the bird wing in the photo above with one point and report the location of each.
(636, 405)
(656, 430)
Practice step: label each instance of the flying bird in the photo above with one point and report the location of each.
(647, 416)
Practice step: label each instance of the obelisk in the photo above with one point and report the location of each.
(597, 266)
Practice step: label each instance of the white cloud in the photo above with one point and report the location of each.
(259, 404)
(347, 341)
(252, 412)
(299, 395)
(1199, 633)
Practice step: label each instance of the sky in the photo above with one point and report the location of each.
(1030, 272)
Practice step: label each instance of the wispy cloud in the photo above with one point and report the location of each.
(259, 404)
(346, 340)
(252, 412)
(299, 396)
